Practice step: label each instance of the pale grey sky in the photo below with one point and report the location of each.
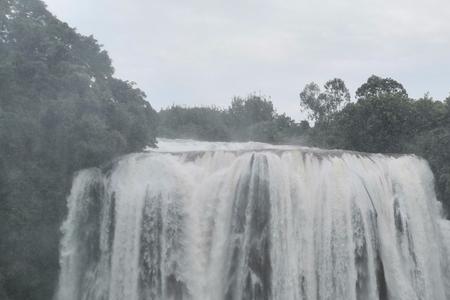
(204, 52)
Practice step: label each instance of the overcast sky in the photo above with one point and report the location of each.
(204, 52)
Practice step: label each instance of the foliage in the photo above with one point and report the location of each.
(254, 109)
(322, 105)
(251, 118)
(381, 124)
(61, 110)
(202, 123)
(377, 87)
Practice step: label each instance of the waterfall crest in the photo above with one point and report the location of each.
(254, 221)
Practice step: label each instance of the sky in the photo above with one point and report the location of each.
(205, 52)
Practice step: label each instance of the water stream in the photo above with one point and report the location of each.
(197, 220)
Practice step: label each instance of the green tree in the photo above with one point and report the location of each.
(377, 87)
(381, 124)
(251, 110)
(61, 110)
(322, 105)
(203, 123)
(251, 118)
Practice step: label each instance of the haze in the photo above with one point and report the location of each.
(206, 52)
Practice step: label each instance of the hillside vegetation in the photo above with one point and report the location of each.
(61, 110)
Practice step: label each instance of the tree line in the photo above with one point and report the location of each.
(250, 118)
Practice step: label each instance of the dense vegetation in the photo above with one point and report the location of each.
(253, 118)
(61, 110)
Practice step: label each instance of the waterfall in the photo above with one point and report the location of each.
(197, 220)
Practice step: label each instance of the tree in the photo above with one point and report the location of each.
(61, 110)
(377, 125)
(203, 123)
(252, 118)
(322, 105)
(336, 94)
(310, 101)
(377, 87)
(251, 110)
(428, 113)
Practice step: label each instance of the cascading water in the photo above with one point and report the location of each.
(253, 221)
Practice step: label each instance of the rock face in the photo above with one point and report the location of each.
(254, 221)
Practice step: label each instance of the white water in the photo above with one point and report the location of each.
(197, 220)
